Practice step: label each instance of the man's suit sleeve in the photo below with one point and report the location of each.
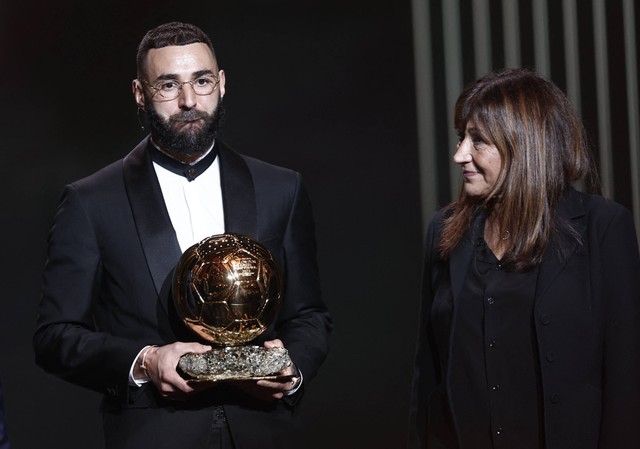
(66, 341)
(304, 323)
(424, 371)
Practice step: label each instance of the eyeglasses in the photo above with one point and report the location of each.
(168, 90)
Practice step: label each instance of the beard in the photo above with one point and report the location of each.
(179, 135)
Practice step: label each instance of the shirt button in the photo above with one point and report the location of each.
(545, 319)
(555, 398)
(499, 431)
(492, 343)
(495, 387)
(490, 301)
(551, 357)
(499, 266)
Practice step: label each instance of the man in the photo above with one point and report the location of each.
(106, 320)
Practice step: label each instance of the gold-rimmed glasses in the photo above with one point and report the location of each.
(169, 89)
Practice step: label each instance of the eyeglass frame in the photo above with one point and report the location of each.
(156, 90)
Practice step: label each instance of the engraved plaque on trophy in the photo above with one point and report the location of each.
(228, 290)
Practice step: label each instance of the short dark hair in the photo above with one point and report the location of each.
(172, 33)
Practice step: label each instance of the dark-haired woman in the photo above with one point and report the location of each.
(530, 334)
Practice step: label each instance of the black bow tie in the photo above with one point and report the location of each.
(189, 171)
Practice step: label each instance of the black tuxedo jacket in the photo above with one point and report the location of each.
(587, 323)
(106, 294)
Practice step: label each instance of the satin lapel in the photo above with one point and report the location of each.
(238, 194)
(156, 234)
(571, 209)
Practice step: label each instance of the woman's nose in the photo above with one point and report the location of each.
(462, 154)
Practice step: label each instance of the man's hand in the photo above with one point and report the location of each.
(160, 364)
(269, 390)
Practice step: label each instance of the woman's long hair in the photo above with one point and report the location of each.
(543, 147)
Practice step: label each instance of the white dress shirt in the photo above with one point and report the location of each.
(195, 209)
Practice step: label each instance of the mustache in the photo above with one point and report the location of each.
(188, 116)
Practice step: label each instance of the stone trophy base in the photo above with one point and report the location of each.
(235, 363)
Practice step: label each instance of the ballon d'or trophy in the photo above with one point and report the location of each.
(228, 290)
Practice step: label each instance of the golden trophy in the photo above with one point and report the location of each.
(227, 289)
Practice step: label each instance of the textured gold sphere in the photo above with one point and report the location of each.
(227, 289)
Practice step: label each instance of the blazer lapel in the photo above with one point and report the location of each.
(238, 194)
(156, 234)
(570, 210)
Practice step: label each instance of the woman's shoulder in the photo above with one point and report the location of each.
(597, 205)
(441, 214)
(437, 221)
(601, 213)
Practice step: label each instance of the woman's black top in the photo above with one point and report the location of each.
(495, 376)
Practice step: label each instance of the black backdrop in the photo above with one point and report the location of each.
(325, 88)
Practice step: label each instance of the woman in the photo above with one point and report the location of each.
(530, 334)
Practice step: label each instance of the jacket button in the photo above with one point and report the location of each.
(545, 319)
(551, 357)
(555, 398)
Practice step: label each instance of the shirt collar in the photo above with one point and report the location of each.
(189, 171)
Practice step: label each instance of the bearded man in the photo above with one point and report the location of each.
(106, 320)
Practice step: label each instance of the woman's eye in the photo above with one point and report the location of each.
(477, 139)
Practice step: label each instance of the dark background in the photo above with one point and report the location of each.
(325, 88)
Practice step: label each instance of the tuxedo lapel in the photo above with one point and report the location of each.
(155, 231)
(571, 211)
(238, 194)
(156, 234)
